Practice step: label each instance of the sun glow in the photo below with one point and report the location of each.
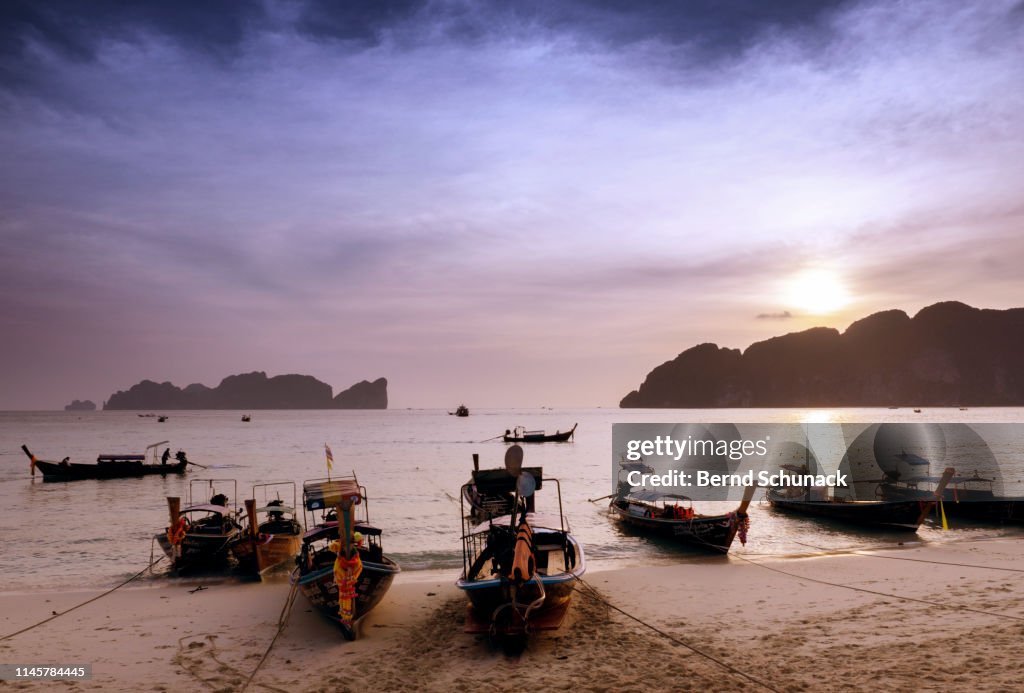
(817, 291)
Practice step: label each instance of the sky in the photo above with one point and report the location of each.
(503, 204)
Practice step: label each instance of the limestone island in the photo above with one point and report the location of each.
(252, 391)
(949, 354)
(81, 405)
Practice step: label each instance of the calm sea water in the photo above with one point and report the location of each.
(413, 463)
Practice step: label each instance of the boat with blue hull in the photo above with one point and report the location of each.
(520, 569)
(341, 568)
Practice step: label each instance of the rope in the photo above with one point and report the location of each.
(88, 601)
(282, 621)
(594, 594)
(860, 552)
(955, 607)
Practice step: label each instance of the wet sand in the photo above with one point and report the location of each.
(792, 633)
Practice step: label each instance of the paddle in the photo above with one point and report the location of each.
(194, 464)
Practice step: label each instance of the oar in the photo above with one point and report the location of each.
(494, 438)
(194, 464)
(594, 500)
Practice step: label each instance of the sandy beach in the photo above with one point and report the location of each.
(792, 633)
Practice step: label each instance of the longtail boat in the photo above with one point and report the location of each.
(890, 514)
(342, 568)
(110, 466)
(272, 535)
(970, 497)
(519, 570)
(200, 536)
(519, 434)
(673, 516)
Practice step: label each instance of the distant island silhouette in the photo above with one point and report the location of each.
(252, 391)
(81, 405)
(949, 354)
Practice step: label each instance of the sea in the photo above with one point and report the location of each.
(94, 534)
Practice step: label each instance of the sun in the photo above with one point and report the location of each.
(817, 291)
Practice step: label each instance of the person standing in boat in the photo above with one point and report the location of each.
(166, 456)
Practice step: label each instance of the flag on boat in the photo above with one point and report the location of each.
(330, 457)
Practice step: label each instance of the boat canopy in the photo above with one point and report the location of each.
(206, 507)
(276, 509)
(650, 496)
(318, 495)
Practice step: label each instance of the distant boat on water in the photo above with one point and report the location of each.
(246, 418)
(461, 410)
(111, 466)
(519, 434)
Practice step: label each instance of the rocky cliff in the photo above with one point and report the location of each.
(364, 395)
(249, 391)
(948, 354)
(81, 405)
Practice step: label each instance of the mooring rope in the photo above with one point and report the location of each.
(88, 601)
(282, 621)
(955, 607)
(593, 593)
(864, 552)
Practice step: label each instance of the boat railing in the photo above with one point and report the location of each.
(275, 487)
(474, 540)
(212, 490)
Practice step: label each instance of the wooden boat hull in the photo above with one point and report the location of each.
(321, 590)
(968, 504)
(57, 471)
(199, 552)
(710, 533)
(902, 515)
(258, 556)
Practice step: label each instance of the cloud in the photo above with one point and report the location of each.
(443, 178)
(782, 315)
